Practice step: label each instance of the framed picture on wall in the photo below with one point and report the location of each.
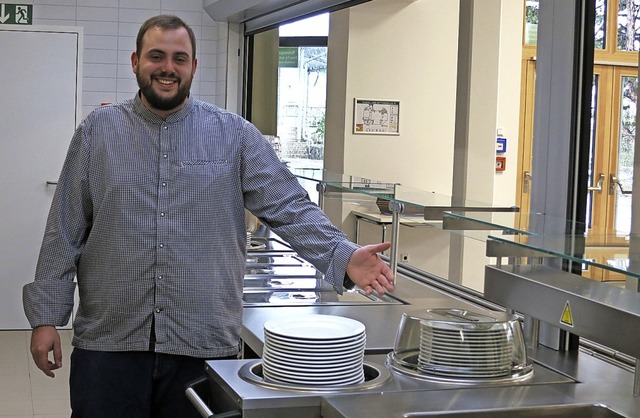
(376, 117)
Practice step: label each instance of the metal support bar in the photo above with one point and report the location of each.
(636, 379)
(396, 210)
(321, 188)
(534, 334)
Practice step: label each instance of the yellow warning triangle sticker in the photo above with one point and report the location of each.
(567, 318)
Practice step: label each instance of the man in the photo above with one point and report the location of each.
(148, 215)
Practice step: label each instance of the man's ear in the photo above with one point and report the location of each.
(134, 62)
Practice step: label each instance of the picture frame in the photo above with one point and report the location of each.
(376, 117)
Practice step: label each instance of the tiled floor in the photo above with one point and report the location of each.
(25, 392)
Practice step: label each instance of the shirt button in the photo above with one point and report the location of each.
(165, 127)
(161, 245)
(158, 310)
(160, 277)
(165, 156)
(164, 184)
(162, 214)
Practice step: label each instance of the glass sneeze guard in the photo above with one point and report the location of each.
(476, 220)
(395, 204)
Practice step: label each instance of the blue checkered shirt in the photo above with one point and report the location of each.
(148, 218)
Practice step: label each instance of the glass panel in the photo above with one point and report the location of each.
(531, 22)
(628, 25)
(312, 26)
(592, 141)
(600, 30)
(626, 143)
(302, 86)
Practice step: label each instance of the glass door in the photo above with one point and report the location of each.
(621, 169)
(611, 168)
(525, 157)
(613, 124)
(613, 129)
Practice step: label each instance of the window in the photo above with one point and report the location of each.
(302, 85)
(600, 30)
(613, 126)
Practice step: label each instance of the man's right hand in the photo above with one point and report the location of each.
(43, 340)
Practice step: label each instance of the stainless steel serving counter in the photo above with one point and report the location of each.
(585, 386)
(563, 384)
(236, 387)
(600, 390)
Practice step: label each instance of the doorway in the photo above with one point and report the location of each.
(613, 129)
(286, 90)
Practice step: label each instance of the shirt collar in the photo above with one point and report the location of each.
(153, 118)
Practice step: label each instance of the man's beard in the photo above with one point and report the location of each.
(160, 103)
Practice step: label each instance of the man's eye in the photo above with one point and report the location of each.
(155, 57)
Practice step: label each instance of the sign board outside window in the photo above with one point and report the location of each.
(287, 57)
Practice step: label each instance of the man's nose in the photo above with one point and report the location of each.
(167, 66)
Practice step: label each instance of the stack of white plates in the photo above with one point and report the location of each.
(480, 352)
(317, 350)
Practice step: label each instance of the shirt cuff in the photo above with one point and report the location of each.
(48, 302)
(337, 270)
(348, 283)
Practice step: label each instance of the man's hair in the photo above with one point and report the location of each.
(164, 22)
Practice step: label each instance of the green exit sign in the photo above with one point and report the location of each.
(16, 14)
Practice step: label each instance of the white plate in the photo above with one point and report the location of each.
(313, 364)
(462, 372)
(315, 327)
(342, 357)
(315, 350)
(301, 362)
(465, 347)
(466, 358)
(326, 343)
(314, 382)
(462, 364)
(312, 373)
(271, 364)
(465, 336)
(313, 379)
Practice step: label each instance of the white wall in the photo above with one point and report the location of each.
(408, 51)
(508, 106)
(404, 51)
(110, 29)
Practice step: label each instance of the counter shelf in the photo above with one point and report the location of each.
(557, 246)
(386, 203)
(505, 237)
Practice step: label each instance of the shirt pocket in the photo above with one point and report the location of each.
(215, 175)
(190, 164)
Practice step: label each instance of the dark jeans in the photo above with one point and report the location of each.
(135, 384)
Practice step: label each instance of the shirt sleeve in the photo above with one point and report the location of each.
(274, 194)
(48, 300)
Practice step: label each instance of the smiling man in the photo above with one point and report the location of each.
(164, 63)
(149, 218)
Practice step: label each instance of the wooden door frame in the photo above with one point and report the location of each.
(605, 157)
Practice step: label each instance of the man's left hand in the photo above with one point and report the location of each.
(367, 270)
